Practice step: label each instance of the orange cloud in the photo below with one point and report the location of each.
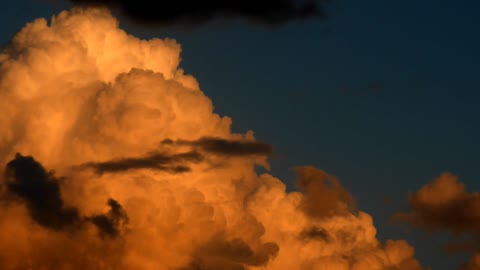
(323, 194)
(79, 91)
(444, 205)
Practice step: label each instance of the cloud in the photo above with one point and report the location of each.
(40, 190)
(179, 162)
(444, 205)
(226, 147)
(269, 12)
(109, 224)
(324, 196)
(175, 163)
(79, 90)
(220, 253)
(315, 233)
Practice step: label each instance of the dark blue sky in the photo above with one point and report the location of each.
(382, 94)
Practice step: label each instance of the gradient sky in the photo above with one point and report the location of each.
(382, 94)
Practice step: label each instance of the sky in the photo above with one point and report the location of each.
(381, 94)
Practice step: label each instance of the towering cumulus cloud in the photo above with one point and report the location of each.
(112, 158)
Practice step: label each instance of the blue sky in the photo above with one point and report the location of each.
(382, 94)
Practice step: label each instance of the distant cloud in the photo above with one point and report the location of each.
(444, 205)
(184, 12)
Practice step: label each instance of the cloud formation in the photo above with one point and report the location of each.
(444, 205)
(79, 90)
(183, 12)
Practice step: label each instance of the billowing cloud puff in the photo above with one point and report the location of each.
(444, 205)
(122, 164)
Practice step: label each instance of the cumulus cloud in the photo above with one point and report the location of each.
(197, 12)
(444, 205)
(77, 90)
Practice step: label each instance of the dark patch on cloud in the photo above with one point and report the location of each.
(315, 233)
(40, 190)
(235, 254)
(109, 224)
(324, 196)
(192, 13)
(28, 180)
(225, 147)
(172, 163)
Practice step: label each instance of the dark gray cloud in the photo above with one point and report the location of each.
(192, 12)
(28, 180)
(225, 147)
(172, 163)
(179, 163)
(109, 224)
(40, 190)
